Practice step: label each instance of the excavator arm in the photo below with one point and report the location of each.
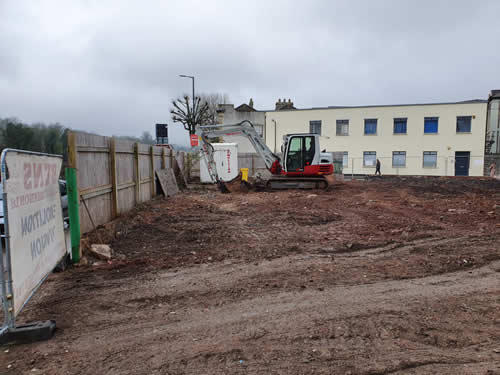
(245, 129)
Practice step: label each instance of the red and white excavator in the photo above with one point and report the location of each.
(304, 166)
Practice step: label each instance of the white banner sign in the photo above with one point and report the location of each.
(35, 220)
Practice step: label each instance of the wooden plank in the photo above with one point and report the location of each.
(96, 193)
(96, 189)
(137, 175)
(114, 179)
(153, 184)
(104, 149)
(126, 185)
(167, 181)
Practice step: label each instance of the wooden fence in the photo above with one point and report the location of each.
(114, 175)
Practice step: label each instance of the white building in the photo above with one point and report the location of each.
(442, 139)
(227, 114)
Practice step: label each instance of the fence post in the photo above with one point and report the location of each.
(153, 185)
(74, 214)
(172, 159)
(72, 150)
(137, 175)
(114, 178)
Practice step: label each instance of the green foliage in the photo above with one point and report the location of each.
(145, 138)
(37, 137)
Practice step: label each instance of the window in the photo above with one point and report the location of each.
(398, 159)
(400, 126)
(369, 158)
(345, 159)
(430, 159)
(370, 126)
(464, 124)
(342, 127)
(430, 125)
(315, 127)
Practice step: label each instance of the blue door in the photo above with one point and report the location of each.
(462, 161)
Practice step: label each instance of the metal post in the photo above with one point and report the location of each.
(193, 93)
(273, 120)
(192, 77)
(74, 214)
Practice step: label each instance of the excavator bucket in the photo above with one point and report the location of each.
(236, 185)
(221, 185)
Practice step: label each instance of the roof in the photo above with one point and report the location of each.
(244, 108)
(472, 101)
(494, 94)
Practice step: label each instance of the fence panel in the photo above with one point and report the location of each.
(113, 175)
(126, 175)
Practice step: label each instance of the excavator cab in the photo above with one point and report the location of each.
(302, 156)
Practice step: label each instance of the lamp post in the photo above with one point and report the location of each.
(192, 77)
(273, 120)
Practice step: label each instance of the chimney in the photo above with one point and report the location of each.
(282, 105)
(251, 103)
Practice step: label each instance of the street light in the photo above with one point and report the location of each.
(275, 125)
(184, 76)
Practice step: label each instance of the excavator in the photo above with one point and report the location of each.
(304, 166)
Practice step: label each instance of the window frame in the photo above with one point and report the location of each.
(399, 119)
(435, 153)
(437, 124)
(313, 123)
(341, 123)
(345, 157)
(470, 125)
(376, 126)
(398, 153)
(365, 153)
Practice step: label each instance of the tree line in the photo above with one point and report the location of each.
(38, 137)
(52, 138)
(47, 138)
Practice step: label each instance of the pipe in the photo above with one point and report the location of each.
(74, 215)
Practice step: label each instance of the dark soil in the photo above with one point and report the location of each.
(386, 276)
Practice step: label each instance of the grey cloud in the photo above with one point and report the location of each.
(112, 67)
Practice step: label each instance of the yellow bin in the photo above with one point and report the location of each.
(244, 174)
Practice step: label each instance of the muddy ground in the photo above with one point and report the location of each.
(388, 276)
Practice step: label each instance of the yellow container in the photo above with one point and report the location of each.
(244, 174)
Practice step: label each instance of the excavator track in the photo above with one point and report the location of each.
(306, 183)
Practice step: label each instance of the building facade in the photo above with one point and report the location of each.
(442, 139)
(228, 114)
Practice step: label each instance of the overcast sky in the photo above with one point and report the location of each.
(112, 67)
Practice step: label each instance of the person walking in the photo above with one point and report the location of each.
(493, 169)
(377, 168)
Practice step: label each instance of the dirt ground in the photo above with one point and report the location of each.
(387, 276)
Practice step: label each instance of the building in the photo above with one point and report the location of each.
(227, 114)
(442, 139)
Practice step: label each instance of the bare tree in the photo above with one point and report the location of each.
(213, 100)
(188, 115)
